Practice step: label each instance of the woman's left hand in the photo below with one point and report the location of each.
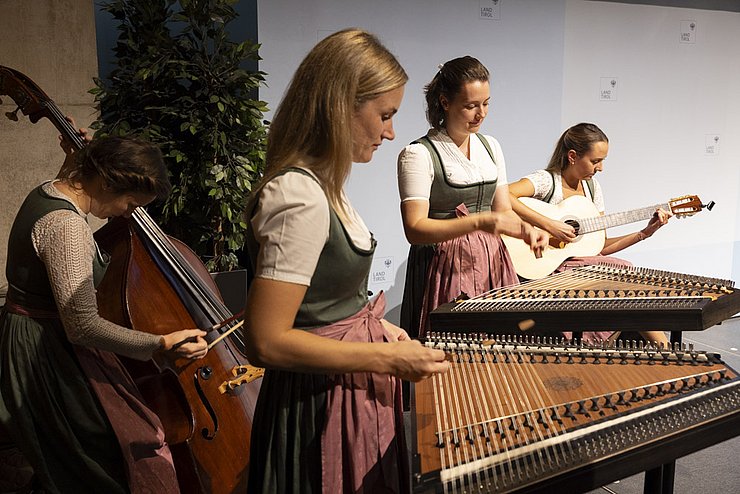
(396, 331)
(659, 219)
(69, 147)
(536, 239)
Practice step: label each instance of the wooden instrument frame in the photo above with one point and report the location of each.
(662, 409)
(676, 302)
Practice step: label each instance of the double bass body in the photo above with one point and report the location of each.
(207, 426)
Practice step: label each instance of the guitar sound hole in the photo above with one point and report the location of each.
(576, 226)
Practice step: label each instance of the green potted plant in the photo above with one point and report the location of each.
(180, 82)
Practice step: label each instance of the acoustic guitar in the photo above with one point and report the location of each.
(589, 225)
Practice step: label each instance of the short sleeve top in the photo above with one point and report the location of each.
(543, 183)
(416, 169)
(291, 225)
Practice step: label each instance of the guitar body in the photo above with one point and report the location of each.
(570, 211)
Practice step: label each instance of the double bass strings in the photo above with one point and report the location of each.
(67, 130)
(214, 307)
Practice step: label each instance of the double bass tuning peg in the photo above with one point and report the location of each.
(12, 115)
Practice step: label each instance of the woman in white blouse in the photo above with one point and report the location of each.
(329, 415)
(455, 199)
(578, 156)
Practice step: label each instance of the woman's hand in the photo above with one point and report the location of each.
(398, 333)
(560, 231)
(69, 147)
(187, 343)
(500, 223)
(413, 361)
(659, 219)
(537, 239)
(508, 223)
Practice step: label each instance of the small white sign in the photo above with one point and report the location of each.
(490, 10)
(382, 271)
(711, 144)
(608, 89)
(688, 32)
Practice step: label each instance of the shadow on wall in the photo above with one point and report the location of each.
(395, 293)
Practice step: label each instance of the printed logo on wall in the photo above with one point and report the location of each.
(608, 89)
(688, 32)
(711, 144)
(490, 10)
(382, 272)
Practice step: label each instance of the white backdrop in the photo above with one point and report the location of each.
(672, 97)
(548, 59)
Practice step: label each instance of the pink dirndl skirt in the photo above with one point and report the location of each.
(470, 264)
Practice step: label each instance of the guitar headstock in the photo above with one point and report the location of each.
(686, 206)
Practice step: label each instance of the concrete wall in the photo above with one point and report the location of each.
(53, 43)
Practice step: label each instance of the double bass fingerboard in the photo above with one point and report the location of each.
(550, 416)
(596, 298)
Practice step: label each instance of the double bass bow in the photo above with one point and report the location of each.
(155, 283)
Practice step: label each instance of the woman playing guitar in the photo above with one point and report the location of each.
(579, 154)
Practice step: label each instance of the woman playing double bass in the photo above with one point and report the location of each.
(65, 398)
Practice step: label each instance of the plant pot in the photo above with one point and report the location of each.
(233, 288)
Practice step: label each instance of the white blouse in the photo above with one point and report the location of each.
(542, 182)
(291, 225)
(416, 169)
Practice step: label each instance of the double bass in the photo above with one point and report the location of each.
(155, 283)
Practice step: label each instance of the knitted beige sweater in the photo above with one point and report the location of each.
(64, 242)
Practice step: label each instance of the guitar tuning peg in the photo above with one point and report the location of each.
(13, 115)
(708, 206)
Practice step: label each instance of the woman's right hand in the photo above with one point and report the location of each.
(412, 361)
(560, 231)
(187, 343)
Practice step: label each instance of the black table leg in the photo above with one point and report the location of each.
(653, 481)
(660, 480)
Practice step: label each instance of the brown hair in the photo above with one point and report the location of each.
(579, 138)
(124, 164)
(448, 82)
(312, 125)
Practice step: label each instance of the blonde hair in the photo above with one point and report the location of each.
(312, 126)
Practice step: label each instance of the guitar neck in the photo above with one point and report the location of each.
(589, 225)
